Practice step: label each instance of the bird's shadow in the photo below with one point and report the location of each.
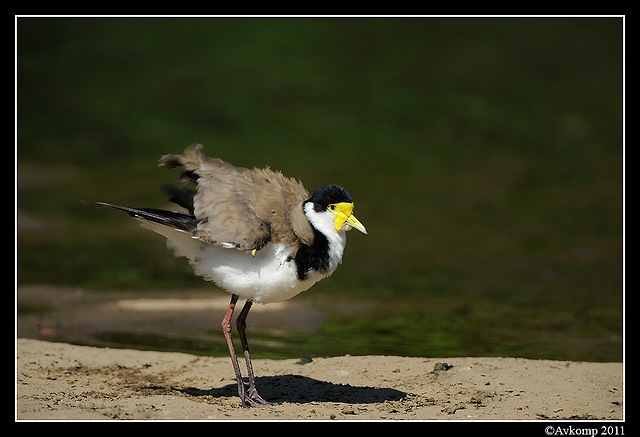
(302, 389)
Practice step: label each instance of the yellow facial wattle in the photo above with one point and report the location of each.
(344, 214)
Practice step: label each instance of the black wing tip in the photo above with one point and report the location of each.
(176, 219)
(111, 205)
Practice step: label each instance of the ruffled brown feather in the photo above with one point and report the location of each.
(245, 208)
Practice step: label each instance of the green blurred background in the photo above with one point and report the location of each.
(485, 157)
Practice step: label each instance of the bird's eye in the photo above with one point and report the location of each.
(332, 207)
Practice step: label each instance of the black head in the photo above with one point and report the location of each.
(329, 194)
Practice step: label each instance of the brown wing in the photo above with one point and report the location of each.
(241, 207)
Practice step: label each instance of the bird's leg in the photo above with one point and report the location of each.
(226, 329)
(252, 396)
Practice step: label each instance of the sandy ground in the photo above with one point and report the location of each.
(63, 381)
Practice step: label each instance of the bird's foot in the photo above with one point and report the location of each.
(253, 399)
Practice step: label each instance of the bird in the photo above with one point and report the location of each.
(255, 233)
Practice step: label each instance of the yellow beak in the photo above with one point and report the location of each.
(344, 214)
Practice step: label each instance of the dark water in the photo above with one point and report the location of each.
(306, 327)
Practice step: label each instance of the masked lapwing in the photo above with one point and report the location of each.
(254, 232)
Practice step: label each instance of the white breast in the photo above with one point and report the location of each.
(269, 276)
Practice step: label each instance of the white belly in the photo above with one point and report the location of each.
(266, 277)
